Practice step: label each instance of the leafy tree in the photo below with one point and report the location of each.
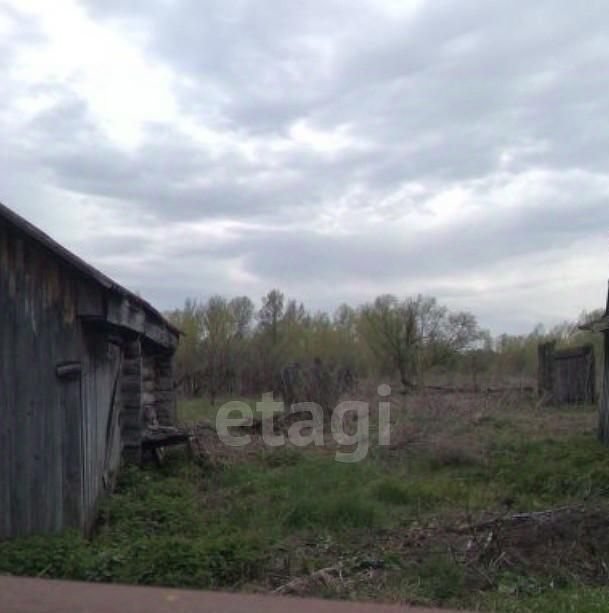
(242, 311)
(271, 313)
(188, 356)
(415, 334)
(218, 327)
(221, 350)
(391, 329)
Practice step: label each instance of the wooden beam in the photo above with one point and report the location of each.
(128, 315)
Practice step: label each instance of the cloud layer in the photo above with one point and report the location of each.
(335, 149)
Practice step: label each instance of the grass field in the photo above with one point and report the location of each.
(435, 518)
(191, 410)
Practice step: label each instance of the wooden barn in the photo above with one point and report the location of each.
(85, 369)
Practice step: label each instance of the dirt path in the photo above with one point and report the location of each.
(19, 595)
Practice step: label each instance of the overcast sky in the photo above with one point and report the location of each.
(334, 149)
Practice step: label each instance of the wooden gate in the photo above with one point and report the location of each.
(567, 376)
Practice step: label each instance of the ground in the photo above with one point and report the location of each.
(482, 501)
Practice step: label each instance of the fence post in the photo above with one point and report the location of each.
(545, 369)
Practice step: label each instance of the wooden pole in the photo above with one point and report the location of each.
(603, 422)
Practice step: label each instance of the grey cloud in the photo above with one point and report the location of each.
(464, 249)
(436, 98)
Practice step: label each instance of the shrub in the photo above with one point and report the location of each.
(441, 578)
(65, 556)
(178, 561)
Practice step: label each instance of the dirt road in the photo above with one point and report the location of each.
(19, 595)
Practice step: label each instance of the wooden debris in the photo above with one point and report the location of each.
(325, 576)
(520, 517)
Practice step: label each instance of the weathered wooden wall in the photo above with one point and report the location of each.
(57, 446)
(567, 376)
(148, 395)
(100, 413)
(575, 375)
(133, 408)
(164, 392)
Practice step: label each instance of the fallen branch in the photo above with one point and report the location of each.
(480, 390)
(519, 517)
(301, 584)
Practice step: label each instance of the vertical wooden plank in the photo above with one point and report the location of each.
(591, 377)
(7, 341)
(24, 405)
(603, 425)
(545, 369)
(72, 475)
(111, 428)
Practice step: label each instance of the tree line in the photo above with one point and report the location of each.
(235, 347)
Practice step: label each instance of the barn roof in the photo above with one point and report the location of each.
(85, 269)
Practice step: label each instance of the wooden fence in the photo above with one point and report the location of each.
(567, 376)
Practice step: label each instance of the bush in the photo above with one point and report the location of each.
(183, 562)
(65, 557)
(441, 578)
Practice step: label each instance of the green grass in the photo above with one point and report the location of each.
(409, 493)
(572, 599)
(541, 473)
(194, 409)
(152, 531)
(282, 491)
(287, 512)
